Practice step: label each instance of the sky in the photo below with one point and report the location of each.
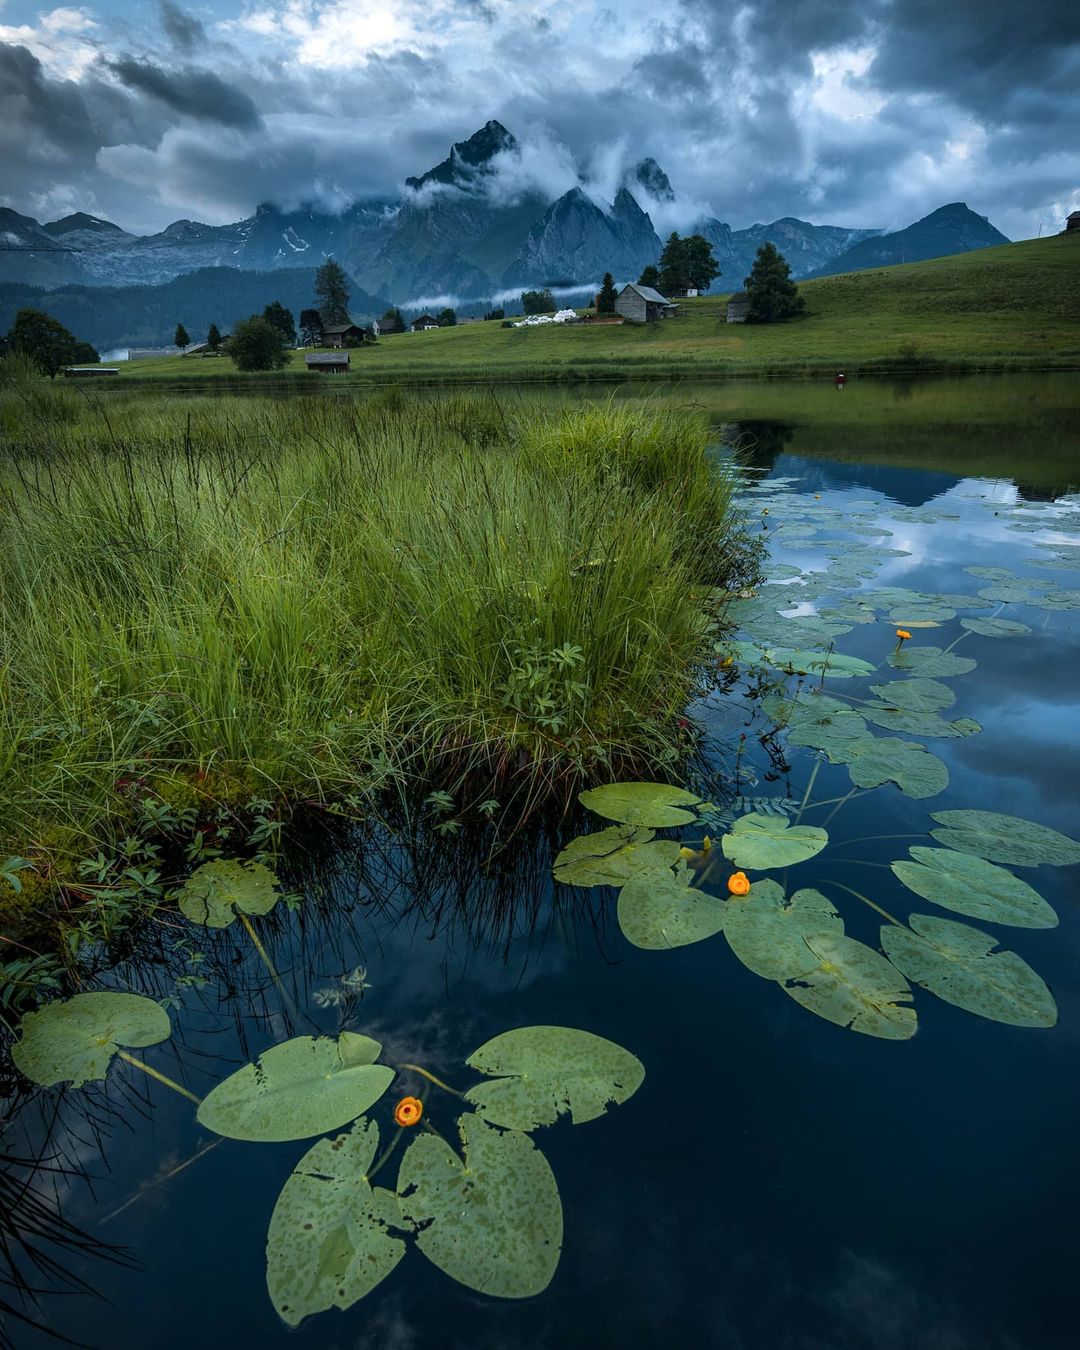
(850, 112)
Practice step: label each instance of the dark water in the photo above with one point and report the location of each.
(777, 1183)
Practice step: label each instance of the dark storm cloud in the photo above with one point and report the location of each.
(48, 111)
(190, 91)
(183, 30)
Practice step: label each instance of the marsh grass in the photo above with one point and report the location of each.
(216, 601)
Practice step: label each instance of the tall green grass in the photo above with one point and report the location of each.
(212, 600)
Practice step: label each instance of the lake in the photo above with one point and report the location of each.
(778, 1181)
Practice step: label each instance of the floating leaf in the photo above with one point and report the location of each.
(959, 965)
(918, 723)
(991, 573)
(652, 804)
(330, 1240)
(975, 887)
(767, 933)
(610, 857)
(930, 661)
(764, 842)
(1057, 600)
(850, 984)
(837, 734)
(73, 1040)
(214, 891)
(547, 1072)
(1005, 839)
(995, 627)
(884, 759)
(660, 909)
(920, 695)
(922, 616)
(309, 1085)
(492, 1222)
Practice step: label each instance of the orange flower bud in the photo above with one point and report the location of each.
(902, 634)
(408, 1111)
(738, 883)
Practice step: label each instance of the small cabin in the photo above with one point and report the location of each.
(1072, 222)
(328, 363)
(339, 334)
(641, 304)
(88, 372)
(423, 324)
(738, 307)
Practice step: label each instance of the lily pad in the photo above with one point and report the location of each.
(932, 662)
(836, 734)
(610, 857)
(309, 1085)
(886, 759)
(216, 890)
(767, 933)
(996, 627)
(1057, 600)
(1005, 839)
(546, 1072)
(761, 843)
(331, 1238)
(975, 887)
(493, 1222)
(920, 695)
(659, 910)
(918, 723)
(850, 984)
(74, 1040)
(657, 805)
(959, 965)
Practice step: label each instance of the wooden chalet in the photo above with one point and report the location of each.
(641, 304)
(328, 363)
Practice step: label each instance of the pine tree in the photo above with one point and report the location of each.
(180, 337)
(213, 338)
(605, 301)
(332, 289)
(650, 277)
(671, 265)
(773, 295)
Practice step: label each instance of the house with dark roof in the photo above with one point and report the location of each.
(738, 307)
(328, 363)
(423, 323)
(1072, 222)
(641, 304)
(341, 334)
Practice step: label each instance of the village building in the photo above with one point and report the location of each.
(328, 363)
(641, 304)
(1072, 222)
(738, 307)
(339, 334)
(88, 372)
(423, 324)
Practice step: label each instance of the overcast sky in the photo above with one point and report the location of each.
(853, 112)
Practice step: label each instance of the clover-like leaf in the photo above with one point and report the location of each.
(650, 804)
(959, 965)
(610, 857)
(332, 1236)
(309, 1085)
(972, 886)
(546, 1072)
(767, 933)
(761, 843)
(1005, 839)
(73, 1040)
(493, 1222)
(850, 984)
(659, 909)
(216, 890)
(885, 759)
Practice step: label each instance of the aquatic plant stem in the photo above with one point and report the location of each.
(264, 955)
(809, 789)
(839, 803)
(415, 1068)
(158, 1181)
(162, 1078)
(867, 901)
(384, 1156)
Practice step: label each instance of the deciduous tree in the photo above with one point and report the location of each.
(537, 302)
(310, 327)
(281, 318)
(258, 345)
(213, 338)
(650, 277)
(43, 339)
(447, 318)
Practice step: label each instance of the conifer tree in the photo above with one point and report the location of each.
(213, 337)
(332, 289)
(773, 295)
(650, 277)
(605, 301)
(180, 337)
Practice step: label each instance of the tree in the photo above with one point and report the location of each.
(45, 341)
(310, 327)
(392, 322)
(332, 289)
(605, 301)
(213, 338)
(650, 277)
(281, 318)
(447, 319)
(85, 354)
(257, 345)
(537, 302)
(496, 313)
(671, 269)
(180, 337)
(687, 264)
(773, 294)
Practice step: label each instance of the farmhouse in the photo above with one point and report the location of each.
(1072, 222)
(328, 363)
(738, 307)
(338, 334)
(423, 324)
(641, 304)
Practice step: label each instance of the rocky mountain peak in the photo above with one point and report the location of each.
(650, 176)
(468, 158)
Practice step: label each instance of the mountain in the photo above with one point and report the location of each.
(576, 241)
(950, 229)
(469, 160)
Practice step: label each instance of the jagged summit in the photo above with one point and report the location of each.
(650, 176)
(467, 158)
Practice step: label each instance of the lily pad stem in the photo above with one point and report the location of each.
(162, 1078)
(809, 789)
(264, 956)
(415, 1068)
(867, 901)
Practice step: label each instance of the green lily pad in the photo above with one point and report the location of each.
(309, 1085)
(850, 984)
(610, 857)
(767, 933)
(959, 965)
(923, 615)
(546, 1072)
(216, 890)
(1005, 839)
(918, 723)
(932, 662)
(885, 759)
(761, 843)
(657, 805)
(1057, 600)
(836, 734)
(996, 627)
(493, 1222)
(331, 1238)
(975, 887)
(1000, 574)
(920, 695)
(660, 909)
(1007, 593)
(73, 1040)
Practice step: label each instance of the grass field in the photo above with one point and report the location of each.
(1013, 307)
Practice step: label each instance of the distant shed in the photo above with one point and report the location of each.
(338, 334)
(1072, 222)
(738, 307)
(328, 363)
(88, 372)
(641, 304)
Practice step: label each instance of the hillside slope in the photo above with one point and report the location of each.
(949, 230)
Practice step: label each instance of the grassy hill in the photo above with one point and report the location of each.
(1012, 307)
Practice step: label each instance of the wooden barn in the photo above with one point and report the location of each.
(641, 304)
(328, 363)
(738, 307)
(1072, 222)
(338, 334)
